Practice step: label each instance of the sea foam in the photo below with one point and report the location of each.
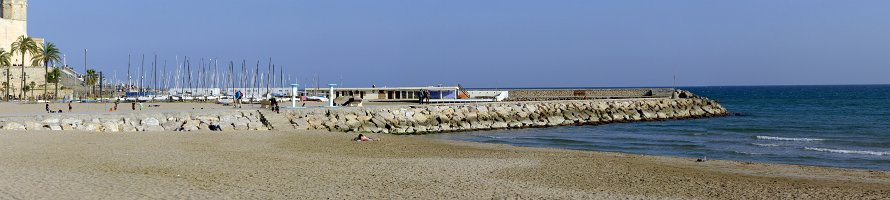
(765, 145)
(788, 139)
(876, 153)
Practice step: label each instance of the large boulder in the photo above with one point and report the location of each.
(154, 128)
(72, 121)
(50, 121)
(301, 123)
(151, 122)
(55, 127)
(241, 126)
(34, 126)
(110, 127)
(14, 126)
(172, 125)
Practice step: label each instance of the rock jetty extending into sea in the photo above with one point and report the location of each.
(489, 116)
(397, 119)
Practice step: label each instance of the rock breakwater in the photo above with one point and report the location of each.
(139, 122)
(487, 116)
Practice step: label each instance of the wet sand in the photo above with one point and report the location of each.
(296, 165)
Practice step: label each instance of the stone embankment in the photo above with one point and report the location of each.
(389, 119)
(488, 116)
(139, 122)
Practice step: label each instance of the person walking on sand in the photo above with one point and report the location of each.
(69, 106)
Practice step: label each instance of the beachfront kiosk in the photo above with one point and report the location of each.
(331, 95)
(293, 95)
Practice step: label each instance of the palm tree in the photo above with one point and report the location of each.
(24, 45)
(55, 76)
(48, 54)
(90, 79)
(4, 61)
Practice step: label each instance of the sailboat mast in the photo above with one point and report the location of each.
(155, 76)
(256, 83)
(142, 76)
(129, 84)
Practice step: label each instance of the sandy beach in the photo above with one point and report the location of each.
(290, 165)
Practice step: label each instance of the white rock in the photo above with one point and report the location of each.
(151, 122)
(14, 126)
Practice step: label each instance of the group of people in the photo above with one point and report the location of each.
(424, 97)
(59, 111)
(273, 102)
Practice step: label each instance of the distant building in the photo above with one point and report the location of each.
(13, 24)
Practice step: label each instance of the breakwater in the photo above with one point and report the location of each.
(400, 119)
(140, 122)
(487, 116)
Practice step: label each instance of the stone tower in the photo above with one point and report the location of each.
(15, 9)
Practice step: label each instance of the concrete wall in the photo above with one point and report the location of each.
(486, 116)
(36, 75)
(561, 94)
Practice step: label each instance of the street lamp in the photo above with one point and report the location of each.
(293, 96)
(331, 96)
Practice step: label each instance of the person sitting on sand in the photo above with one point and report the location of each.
(363, 138)
(274, 105)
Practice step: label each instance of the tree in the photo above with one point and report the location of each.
(4, 61)
(48, 54)
(24, 45)
(55, 76)
(90, 79)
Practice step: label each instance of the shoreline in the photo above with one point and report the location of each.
(315, 164)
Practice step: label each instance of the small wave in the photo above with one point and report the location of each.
(748, 153)
(876, 153)
(788, 139)
(500, 137)
(765, 145)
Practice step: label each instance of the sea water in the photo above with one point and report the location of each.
(835, 126)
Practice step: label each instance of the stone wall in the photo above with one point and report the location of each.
(138, 122)
(565, 94)
(487, 116)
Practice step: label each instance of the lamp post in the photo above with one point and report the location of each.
(293, 95)
(331, 95)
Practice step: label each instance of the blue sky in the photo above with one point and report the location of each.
(492, 43)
